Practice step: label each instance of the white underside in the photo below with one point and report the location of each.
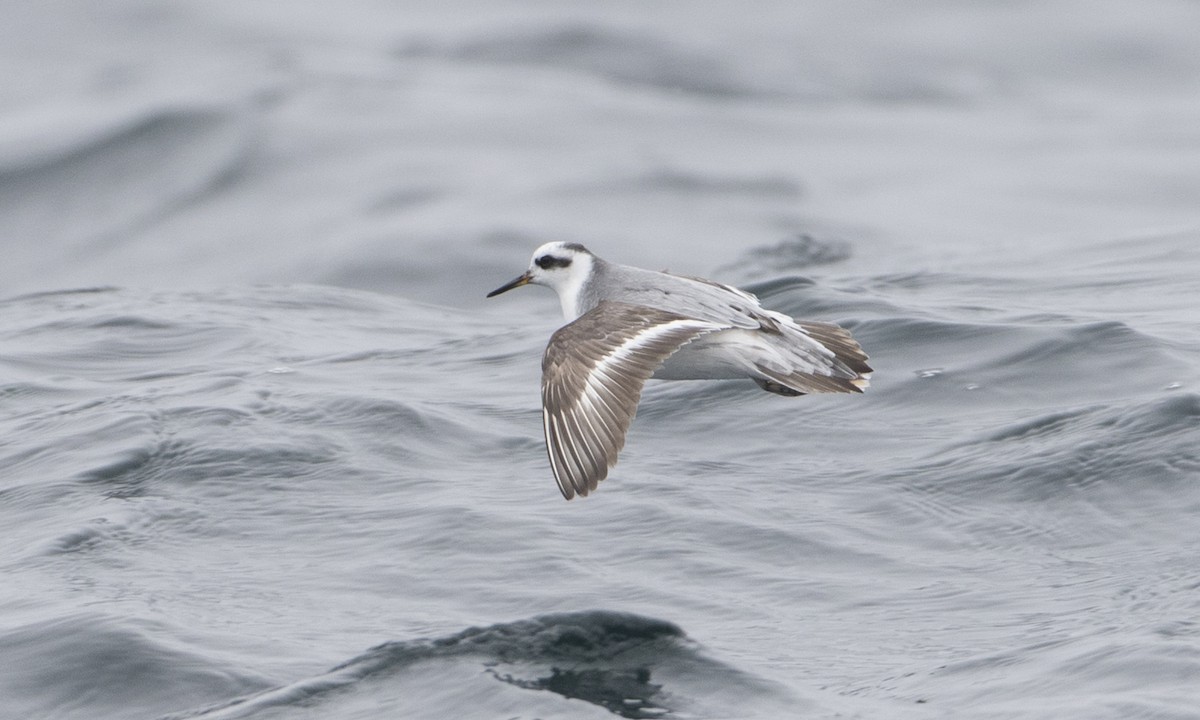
(723, 355)
(739, 353)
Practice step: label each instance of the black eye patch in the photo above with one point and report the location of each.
(546, 262)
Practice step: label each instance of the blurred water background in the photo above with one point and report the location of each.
(266, 451)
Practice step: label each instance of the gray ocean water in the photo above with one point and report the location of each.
(267, 452)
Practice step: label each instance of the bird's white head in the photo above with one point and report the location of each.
(565, 267)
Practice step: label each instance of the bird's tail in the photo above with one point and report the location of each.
(845, 370)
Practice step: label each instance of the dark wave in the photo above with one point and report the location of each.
(608, 659)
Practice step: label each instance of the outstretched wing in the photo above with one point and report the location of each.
(592, 377)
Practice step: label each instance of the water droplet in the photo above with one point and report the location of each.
(930, 372)
(971, 386)
(281, 370)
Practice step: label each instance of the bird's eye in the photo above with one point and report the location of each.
(546, 262)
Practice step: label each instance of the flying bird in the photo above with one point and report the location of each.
(626, 325)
